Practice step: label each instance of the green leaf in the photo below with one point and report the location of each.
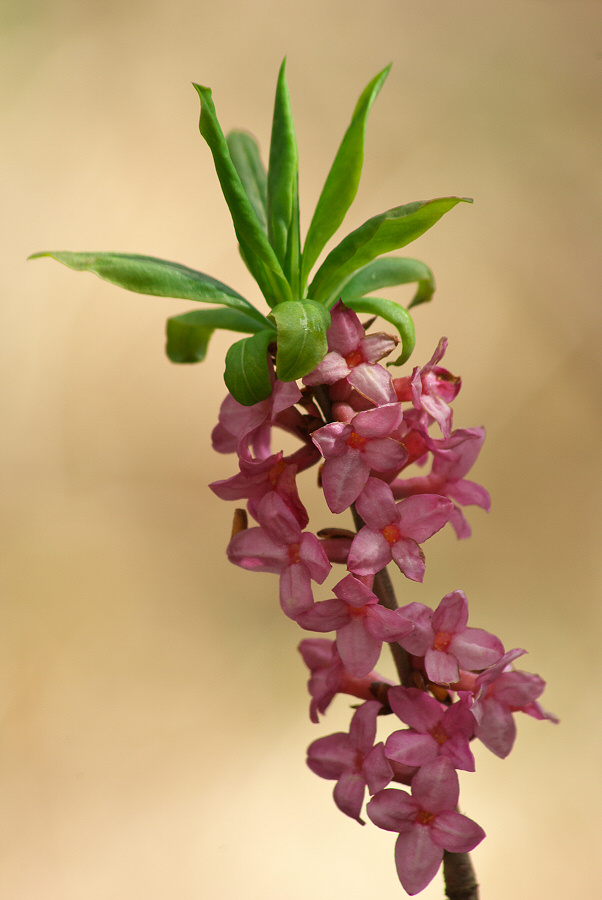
(247, 374)
(249, 232)
(244, 152)
(381, 234)
(158, 277)
(388, 272)
(302, 327)
(282, 197)
(188, 334)
(391, 312)
(343, 179)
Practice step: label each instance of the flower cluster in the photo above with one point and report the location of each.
(457, 682)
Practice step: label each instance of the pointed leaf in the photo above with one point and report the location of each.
(248, 229)
(388, 231)
(247, 374)
(158, 277)
(343, 179)
(390, 312)
(244, 152)
(388, 272)
(302, 344)
(282, 197)
(188, 334)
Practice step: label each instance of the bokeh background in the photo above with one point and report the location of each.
(154, 706)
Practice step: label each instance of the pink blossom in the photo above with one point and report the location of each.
(443, 639)
(278, 545)
(394, 530)
(500, 692)
(353, 357)
(241, 427)
(435, 729)
(352, 760)
(427, 823)
(452, 459)
(259, 476)
(360, 622)
(329, 677)
(431, 390)
(352, 450)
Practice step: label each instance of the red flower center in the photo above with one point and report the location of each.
(276, 471)
(439, 734)
(356, 441)
(357, 611)
(425, 818)
(293, 553)
(391, 533)
(443, 640)
(355, 358)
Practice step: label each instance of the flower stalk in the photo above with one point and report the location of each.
(389, 454)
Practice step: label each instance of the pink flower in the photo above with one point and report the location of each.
(431, 389)
(353, 356)
(452, 459)
(259, 476)
(241, 427)
(352, 760)
(435, 729)
(394, 531)
(427, 823)
(328, 676)
(500, 692)
(360, 622)
(352, 450)
(278, 545)
(443, 639)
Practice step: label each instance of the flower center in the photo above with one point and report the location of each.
(276, 471)
(293, 553)
(357, 611)
(439, 734)
(424, 818)
(442, 641)
(355, 358)
(356, 441)
(391, 533)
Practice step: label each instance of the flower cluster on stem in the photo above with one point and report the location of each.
(457, 683)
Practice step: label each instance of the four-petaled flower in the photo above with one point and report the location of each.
(427, 823)
(278, 545)
(353, 760)
(352, 450)
(353, 357)
(394, 530)
(435, 729)
(360, 622)
(443, 639)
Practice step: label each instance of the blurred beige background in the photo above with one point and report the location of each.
(154, 707)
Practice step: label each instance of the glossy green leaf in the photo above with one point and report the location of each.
(282, 195)
(247, 374)
(388, 231)
(157, 277)
(343, 179)
(249, 232)
(188, 334)
(388, 272)
(244, 153)
(302, 327)
(393, 313)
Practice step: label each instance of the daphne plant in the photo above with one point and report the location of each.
(367, 428)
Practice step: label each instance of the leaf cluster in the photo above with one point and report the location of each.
(264, 206)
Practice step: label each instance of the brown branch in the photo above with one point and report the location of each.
(459, 876)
